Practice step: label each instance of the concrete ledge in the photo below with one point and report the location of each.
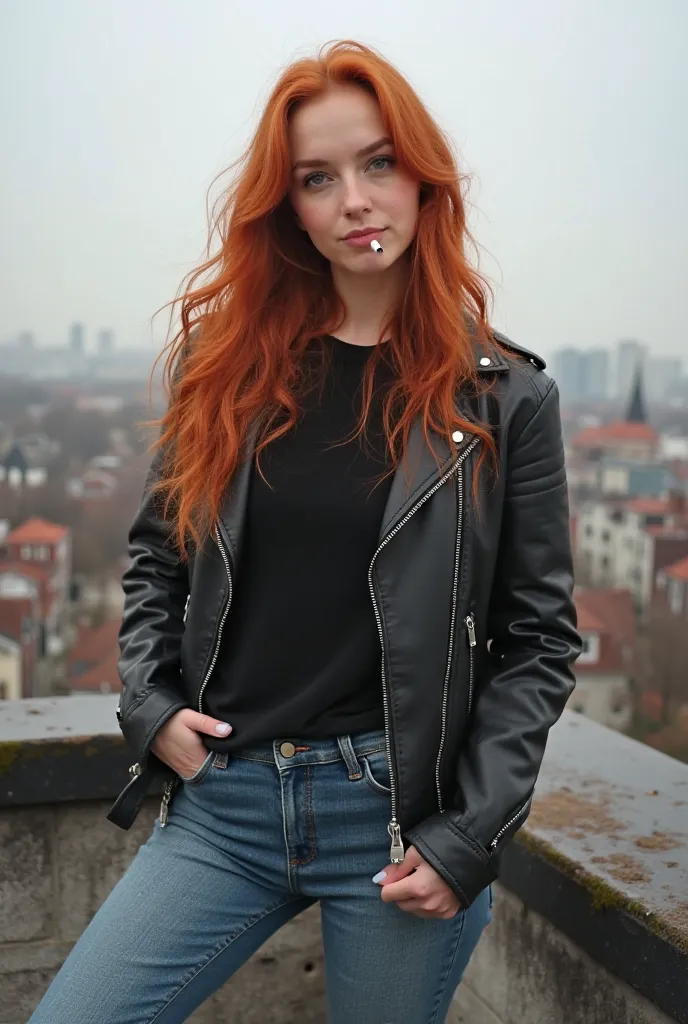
(604, 856)
(602, 863)
(60, 749)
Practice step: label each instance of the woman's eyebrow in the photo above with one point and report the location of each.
(317, 162)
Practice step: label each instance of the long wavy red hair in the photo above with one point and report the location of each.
(249, 312)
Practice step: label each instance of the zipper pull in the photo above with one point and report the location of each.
(396, 852)
(470, 625)
(165, 803)
(135, 769)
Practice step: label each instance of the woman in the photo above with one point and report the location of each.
(348, 624)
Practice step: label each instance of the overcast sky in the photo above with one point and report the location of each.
(570, 114)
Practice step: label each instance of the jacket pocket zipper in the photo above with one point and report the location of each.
(505, 828)
(472, 644)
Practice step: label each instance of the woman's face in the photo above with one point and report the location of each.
(345, 177)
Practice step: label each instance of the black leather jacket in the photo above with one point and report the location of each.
(475, 614)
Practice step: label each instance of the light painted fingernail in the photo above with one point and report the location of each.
(380, 876)
(223, 728)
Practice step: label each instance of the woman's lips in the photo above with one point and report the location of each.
(361, 241)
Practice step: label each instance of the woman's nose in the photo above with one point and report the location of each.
(355, 199)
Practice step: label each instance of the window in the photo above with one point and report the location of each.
(42, 553)
(605, 536)
(4, 689)
(661, 581)
(25, 552)
(588, 530)
(604, 561)
(591, 649)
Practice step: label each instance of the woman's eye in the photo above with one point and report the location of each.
(309, 180)
(386, 161)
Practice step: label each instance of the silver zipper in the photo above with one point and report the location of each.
(508, 825)
(470, 626)
(165, 802)
(452, 627)
(225, 613)
(396, 853)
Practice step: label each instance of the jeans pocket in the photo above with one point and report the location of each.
(198, 777)
(376, 772)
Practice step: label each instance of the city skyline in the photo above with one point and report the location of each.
(93, 336)
(563, 118)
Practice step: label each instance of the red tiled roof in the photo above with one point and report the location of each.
(102, 678)
(37, 531)
(649, 506)
(678, 571)
(94, 645)
(613, 607)
(587, 622)
(620, 430)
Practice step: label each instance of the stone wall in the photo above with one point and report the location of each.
(590, 918)
(57, 865)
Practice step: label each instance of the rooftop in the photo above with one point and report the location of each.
(37, 531)
(678, 571)
(609, 433)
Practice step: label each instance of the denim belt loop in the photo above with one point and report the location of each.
(349, 755)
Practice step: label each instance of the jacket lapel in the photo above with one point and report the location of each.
(414, 475)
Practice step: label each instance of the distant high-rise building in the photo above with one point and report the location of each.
(76, 338)
(630, 355)
(568, 373)
(106, 341)
(582, 376)
(595, 373)
(662, 374)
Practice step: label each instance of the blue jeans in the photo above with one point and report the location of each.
(251, 841)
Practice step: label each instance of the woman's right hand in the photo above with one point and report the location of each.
(178, 742)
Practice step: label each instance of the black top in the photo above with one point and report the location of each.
(300, 654)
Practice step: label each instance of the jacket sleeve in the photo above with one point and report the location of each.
(156, 586)
(533, 626)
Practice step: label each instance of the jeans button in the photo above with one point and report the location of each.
(287, 749)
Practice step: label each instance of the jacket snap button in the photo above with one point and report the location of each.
(485, 361)
(457, 436)
(287, 749)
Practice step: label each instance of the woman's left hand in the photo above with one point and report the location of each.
(417, 888)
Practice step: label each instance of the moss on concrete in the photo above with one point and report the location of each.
(9, 752)
(604, 895)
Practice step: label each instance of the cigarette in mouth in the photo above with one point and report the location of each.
(375, 246)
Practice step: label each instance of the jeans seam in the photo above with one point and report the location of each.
(225, 945)
(295, 862)
(443, 986)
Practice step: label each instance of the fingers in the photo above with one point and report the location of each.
(405, 889)
(393, 872)
(206, 725)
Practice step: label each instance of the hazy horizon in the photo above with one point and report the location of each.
(116, 119)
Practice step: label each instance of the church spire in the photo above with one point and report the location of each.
(636, 406)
